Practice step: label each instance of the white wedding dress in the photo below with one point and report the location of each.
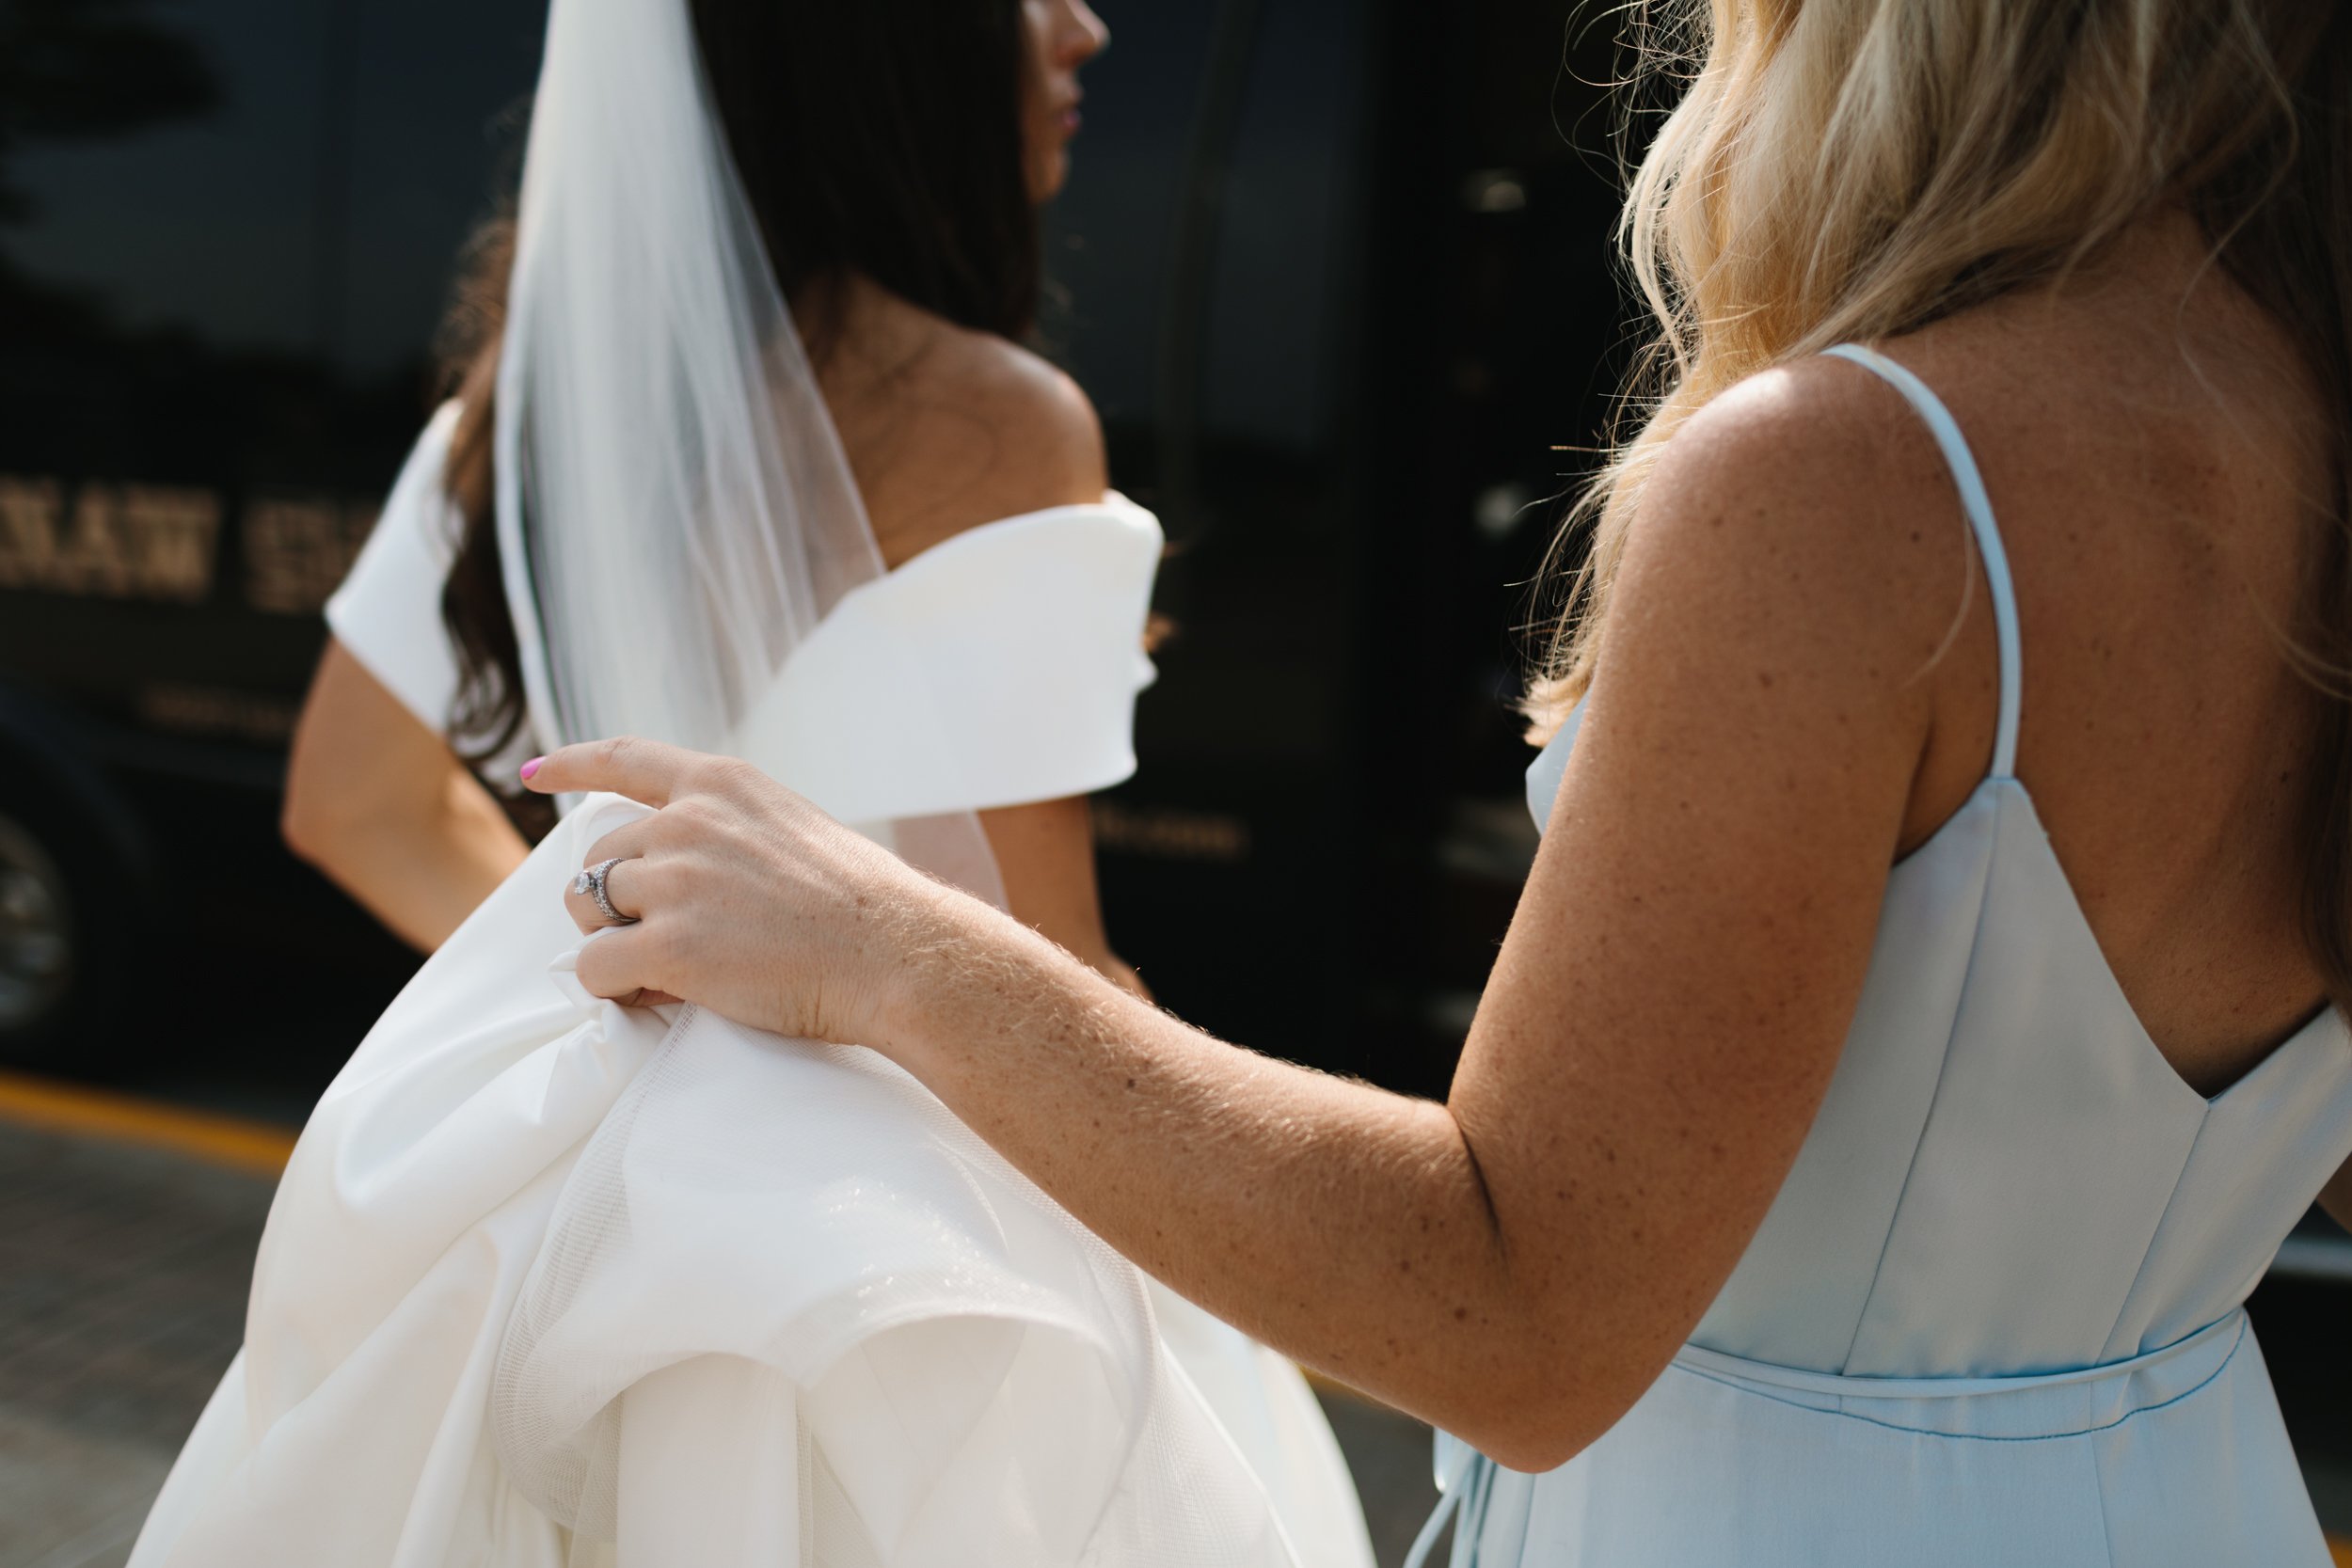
(554, 1282)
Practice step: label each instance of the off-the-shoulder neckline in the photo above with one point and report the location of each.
(1113, 506)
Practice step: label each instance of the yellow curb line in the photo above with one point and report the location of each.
(254, 1147)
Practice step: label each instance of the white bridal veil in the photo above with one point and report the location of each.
(758, 1238)
(674, 511)
(677, 513)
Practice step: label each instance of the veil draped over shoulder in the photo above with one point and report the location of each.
(552, 1283)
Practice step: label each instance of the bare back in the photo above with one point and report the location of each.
(2158, 467)
(947, 428)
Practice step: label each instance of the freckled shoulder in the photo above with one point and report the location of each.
(1798, 559)
(1810, 494)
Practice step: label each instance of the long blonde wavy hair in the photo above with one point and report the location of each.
(1852, 169)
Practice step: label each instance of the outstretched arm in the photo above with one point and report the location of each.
(1518, 1264)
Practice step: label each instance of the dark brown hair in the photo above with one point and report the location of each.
(878, 137)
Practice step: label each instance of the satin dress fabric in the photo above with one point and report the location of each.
(554, 1282)
(1994, 1318)
(928, 640)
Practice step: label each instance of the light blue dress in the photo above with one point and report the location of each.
(1994, 1317)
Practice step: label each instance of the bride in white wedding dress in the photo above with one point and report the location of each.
(551, 1281)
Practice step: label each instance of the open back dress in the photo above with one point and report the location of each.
(1994, 1318)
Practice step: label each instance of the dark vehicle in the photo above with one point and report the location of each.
(1317, 263)
(225, 226)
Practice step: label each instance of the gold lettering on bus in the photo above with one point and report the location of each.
(1169, 832)
(172, 532)
(121, 542)
(28, 530)
(298, 551)
(95, 558)
(217, 711)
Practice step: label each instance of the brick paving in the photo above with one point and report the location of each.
(122, 1283)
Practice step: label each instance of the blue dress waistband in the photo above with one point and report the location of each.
(2035, 1407)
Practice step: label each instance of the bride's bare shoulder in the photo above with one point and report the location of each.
(947, 428)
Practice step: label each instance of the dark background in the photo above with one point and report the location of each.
(1336, 273)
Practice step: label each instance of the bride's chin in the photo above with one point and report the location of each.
(1047, 175)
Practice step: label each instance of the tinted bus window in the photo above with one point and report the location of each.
(226, 230)
(184, 194)
(439, 103)
(1211, 243)
(1281, 210)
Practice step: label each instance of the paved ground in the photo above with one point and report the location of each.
(123, 1275)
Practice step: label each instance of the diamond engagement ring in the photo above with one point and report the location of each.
(591, 882)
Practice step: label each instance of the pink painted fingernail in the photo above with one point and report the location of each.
(531, 767)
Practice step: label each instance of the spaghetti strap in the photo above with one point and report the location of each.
(1979, 506)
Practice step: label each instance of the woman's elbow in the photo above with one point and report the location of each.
(1534, 1411)
(1531, 1435)
(321, 815)
(314, 826)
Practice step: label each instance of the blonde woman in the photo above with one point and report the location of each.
(1923, 1020)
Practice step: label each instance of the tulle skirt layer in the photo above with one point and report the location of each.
(552, 1282)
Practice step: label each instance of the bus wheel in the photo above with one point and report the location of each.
(48, 988)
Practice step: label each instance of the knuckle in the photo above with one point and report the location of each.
(661, 948)
(733, 776)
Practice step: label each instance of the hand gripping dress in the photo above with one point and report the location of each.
(1993, 1319)
(551, 1283)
